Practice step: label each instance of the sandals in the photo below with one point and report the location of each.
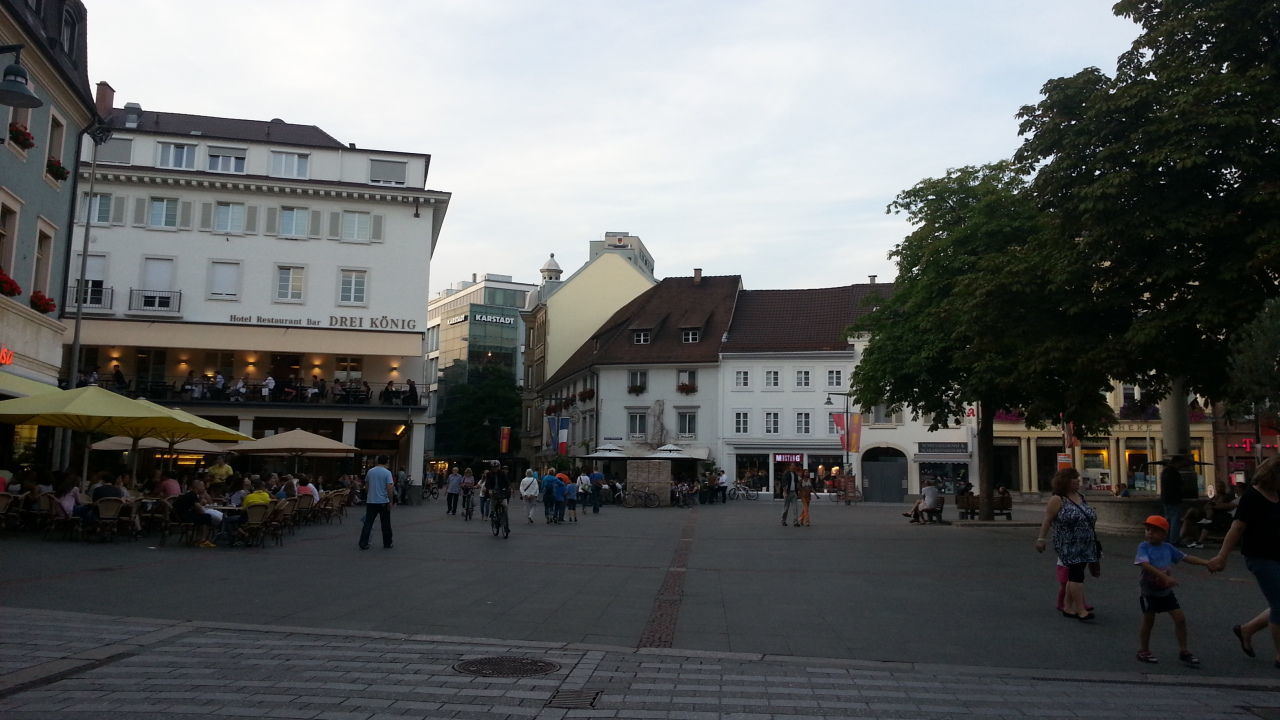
(1146, 657)
(1235, 629)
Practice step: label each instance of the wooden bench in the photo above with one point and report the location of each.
(970, 505)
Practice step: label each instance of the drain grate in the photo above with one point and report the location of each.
(506, 666)
(573, 699)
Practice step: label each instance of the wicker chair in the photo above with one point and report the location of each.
(108, 517)
(253, 530)
(57, 519)
(172, 524)
(304, 513)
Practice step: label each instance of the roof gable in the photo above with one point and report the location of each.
(810, 320)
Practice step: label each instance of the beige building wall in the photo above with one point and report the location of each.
(586, 300)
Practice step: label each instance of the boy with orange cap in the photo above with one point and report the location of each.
(1157, 558)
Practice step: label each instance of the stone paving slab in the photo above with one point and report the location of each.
(208, 670)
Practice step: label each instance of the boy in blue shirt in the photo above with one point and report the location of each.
(1157, 558)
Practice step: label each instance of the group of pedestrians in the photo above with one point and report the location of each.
(797, 495)
(1069, 525)
(559, 494)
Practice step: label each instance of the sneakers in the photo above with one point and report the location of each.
(1193, 545)
(1146, 657)
(1204, 521)
(205, 544)
(1191, 661)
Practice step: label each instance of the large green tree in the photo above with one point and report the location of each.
(1254, 386)
(478, 402)
(1164, 185)
(974, 318)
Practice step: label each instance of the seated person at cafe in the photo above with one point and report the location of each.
(929, 500)
(288, 488)
(1213, 516)
(167, 487)
(189, 509)
(113, 489)
(388, 393)
(306, 488)
(259, 496)
(237, 392)
(242, 488)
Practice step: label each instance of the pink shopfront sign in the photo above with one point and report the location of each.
(788, 457)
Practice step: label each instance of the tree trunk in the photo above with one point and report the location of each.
(1175, 428)
(986, 445)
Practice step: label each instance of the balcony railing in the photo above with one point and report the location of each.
(167, 301)
(93, 298)
(203, 390)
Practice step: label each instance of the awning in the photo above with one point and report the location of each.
(942, 457)
(116, 333)
(18, 386)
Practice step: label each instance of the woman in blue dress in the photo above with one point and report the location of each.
(1074, 539)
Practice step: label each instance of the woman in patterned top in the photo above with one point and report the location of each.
(1072, 521)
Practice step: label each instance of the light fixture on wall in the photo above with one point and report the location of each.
(15, 88)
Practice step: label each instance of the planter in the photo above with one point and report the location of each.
(42, 303)
(8, 286)
(635, 389)
(20, 136)
(686, 388)
(53, 168)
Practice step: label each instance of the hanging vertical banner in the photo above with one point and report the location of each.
(563, 437)
(850, 435)
(504, 439)
(549, 432)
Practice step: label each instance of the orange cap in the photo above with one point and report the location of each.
(1157, 521)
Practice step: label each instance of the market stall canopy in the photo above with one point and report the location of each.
(193, 447)
(293, 442)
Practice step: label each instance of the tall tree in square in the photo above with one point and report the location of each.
(982, 315)
(1164, 184)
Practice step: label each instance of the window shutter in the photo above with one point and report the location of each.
(184, 215)
(251, 219)
(117, 209)
(313, 229)
(82, 214)
(897, 418)
(376, 234)
(140, 212)
(335, 225)
(206, 216)
(273, 221)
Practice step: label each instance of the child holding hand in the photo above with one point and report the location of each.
(1157, 558)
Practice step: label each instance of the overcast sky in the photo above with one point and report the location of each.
(755, 138)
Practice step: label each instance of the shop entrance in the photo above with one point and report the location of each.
(884, 472)
(752, 470)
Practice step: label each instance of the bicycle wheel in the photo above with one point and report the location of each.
(734, 492)
(506, 525)
(751, 493)
(495, 523)
(629, 500)
(651, 500)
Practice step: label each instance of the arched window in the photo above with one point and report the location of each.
(68, 31)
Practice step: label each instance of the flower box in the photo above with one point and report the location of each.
(686, 388)
(53, 168)
(635, 389)
(42, 303)
(8, 286)
(20, 136)
(587, 394)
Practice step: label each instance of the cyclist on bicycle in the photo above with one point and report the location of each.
(468, 487)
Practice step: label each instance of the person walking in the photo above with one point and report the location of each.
(790, 494)
(549, 482)
(597, 488)
(806, 496)
(486, 480)
(571, 501)
(453, 488)
(1171, 495)
(1157, 558)
(1256, 531)
(560, 495)
(529, 492)
(380, 485)
(722, 487)
(1072, 521)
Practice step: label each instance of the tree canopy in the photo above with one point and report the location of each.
(1164, 184)
(476, 404)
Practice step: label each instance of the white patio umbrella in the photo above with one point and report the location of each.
(669, 452)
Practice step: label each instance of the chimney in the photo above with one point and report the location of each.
(872, 278)
(697, 276)
(104, 99)
(473, 278)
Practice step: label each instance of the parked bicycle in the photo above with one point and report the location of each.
(632, 498)
(740, 491)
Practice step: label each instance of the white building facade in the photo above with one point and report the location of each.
(253, 250)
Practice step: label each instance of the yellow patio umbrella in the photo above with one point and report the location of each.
(295, 443)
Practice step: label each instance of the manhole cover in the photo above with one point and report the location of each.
(506, 667)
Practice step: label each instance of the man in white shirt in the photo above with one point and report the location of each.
(268, 387)
(929, 497)
(722, 486)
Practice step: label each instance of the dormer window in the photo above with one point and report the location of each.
(640, 337)
(691, 335)
(388, 172)
(68, 32)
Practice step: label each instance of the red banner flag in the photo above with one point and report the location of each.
(850, 436)
(504, 440)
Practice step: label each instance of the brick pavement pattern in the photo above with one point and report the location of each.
(80, 666)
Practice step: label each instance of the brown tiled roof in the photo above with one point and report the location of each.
(226, 128)
(664, 310)
(799, 320)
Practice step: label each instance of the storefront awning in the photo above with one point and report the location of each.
(18, 386)
(942, 457)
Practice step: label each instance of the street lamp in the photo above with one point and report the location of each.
(15, 89)
(844, 443)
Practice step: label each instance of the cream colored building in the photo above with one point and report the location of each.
(562, 314)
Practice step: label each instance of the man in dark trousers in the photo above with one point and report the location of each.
(1171, 495)
(790, 483)
(379, 486)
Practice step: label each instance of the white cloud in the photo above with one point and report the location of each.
(761, 138)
